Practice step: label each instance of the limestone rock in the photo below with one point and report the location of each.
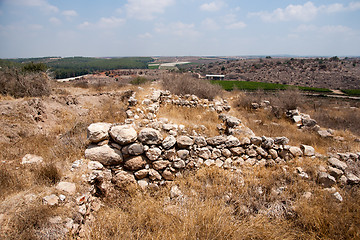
(153, 153)
(184, 142)
(183, 154)
(307, 150)
(160, 165)
(97, 132)
(217, 140)
(67, 187)
(51, 200)
(168, 175)
(175, 192)
(337, 163)
(352, 178)
(256, 140)
(150, 136)
(135, 149)
(154, 175)
(326, 179)
(336, 173)
(143, 173)
(123, 134)
(31, 159)
(232, 141)
(281, 140)
(105, 154)
(179, 164)
(135, 163)
(200, 141)
(204, 153)
(95, 165)
(296, 151)
(123, 178)
(169, 142)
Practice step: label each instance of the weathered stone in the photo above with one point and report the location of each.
(134, 163)
(326, 179)
(169, 142)
(232, 121)
(352, 178)
(175, 192)
(179, 164)
(307, 150)
(154, 175)
(31, 159)
(261, 151)
(267, 142)
(200, 141)
(245, 141)
(228, 163)
(237, 151)
(95, 165)
(273, 153)
(123, 134)
(97, 132)
(226, 152)
(67, 187)
(168, 127)
(256, 140)
(135, 149)
(324, 134)
(295, 151)
(232, 141)
(143, 173)
(251, 152)
(281, 140)
(169, 154)
(143, 183)
(150, 136)
(183, 154)
(106, 155)
(336, 173)
(51, 200)
(337, 163)
(123, 178)
(204, 153)
(168, 175)
(153, 153)
(160, 165)
(338, 196)
(217, 140)
(308, 122)
(216, 153)
(184, 142)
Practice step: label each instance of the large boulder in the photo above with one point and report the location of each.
(123, 134)
(135, 163)
(184, 142)
(97, 132)
(105, 154)
(150, 136)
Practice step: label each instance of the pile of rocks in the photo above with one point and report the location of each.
(127, 154)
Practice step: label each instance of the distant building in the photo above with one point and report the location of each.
(215, 77)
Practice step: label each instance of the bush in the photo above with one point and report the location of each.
(186, 84)
(18, 84)
(139, 80)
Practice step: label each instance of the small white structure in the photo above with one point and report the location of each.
(215, 77)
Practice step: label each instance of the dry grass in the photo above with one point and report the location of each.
(192, 118)
(217, 204)
(18, 84)
(187, 84)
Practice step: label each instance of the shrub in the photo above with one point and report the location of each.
(18, 84)
(186, 84)
(47, 174)
(139, 80)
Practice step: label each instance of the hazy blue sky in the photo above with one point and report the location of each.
(32, 28)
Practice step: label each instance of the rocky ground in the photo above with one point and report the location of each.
(330, 73)
(105, 142)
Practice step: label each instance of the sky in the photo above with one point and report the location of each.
(109, 28)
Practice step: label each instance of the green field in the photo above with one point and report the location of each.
(153, 66)
(252, 86)
(352, 92)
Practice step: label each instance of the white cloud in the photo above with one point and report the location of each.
(236, 25)
(145, 35)
(328, 29)
(229, 18)
(42, 4)
(69, 13)
(210, 24)
(178, 29)
(146, 9)
(104, 23)
(55, 21)
(212, 6)
(305, 13)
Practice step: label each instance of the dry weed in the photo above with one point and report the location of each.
(192, 118)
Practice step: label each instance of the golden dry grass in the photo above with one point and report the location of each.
(192, 118)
